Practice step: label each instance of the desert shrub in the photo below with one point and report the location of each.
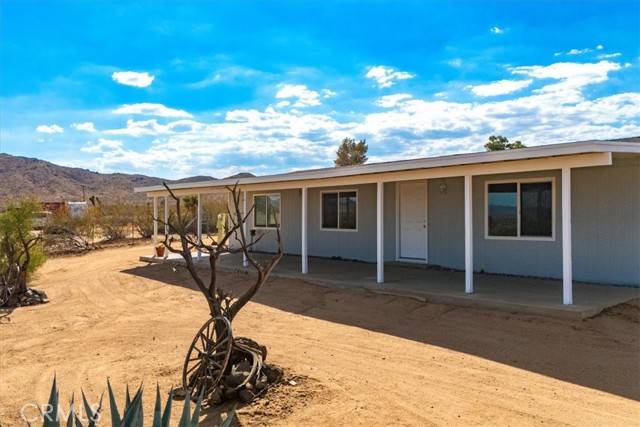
(21, 251)
(211, 207)
(114, 220)
(66, 233)
(143, 219)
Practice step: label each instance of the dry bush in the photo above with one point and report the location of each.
(114, 220)
(66, 233)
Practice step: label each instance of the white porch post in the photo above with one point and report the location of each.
(166, 222)
(468, 234)
(303, 251)
(567, 268)
(245, 261)
(155, 224)
(380, 231)
(199, 231)
(166, 215)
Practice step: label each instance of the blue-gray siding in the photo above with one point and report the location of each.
(606, 226)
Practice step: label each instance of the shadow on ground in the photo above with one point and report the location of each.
(600, 353)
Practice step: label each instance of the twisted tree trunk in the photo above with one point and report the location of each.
(225, 367)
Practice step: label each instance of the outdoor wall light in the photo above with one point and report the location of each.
(443, 187)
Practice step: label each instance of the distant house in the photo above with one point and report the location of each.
(76, 209)
(53, 206)
(568, 211)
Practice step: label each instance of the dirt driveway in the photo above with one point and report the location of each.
(358, 358)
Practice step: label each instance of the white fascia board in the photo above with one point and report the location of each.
(423, 163)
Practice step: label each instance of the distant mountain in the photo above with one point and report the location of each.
(23, 176)
(240, 175)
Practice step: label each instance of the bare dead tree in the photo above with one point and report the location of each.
(217, 364)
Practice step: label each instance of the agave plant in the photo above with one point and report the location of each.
(133, 415)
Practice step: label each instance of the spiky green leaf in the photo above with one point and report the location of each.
(196, 412)
(186, 409)
(113, 406)
(166, 416)
(132, 413)
(51, 414)
(127, 398)
(157, 410)
(72, 414)
(230, 415)
(91, 416)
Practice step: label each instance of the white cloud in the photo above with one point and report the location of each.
(496, 30)
(271, 140)
(574, 51)
(501, 87)
(49, 129)
(85, 127)
(152, 127)
(390, 101)
(303, 96)
(327, 93)
(228, 75)
(150, 109)
(387, 76)
(609, 55)
(571, 76)
(102, 145)
(455, 62)
(133, 78)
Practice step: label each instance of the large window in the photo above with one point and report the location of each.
(520, 209)
(266, 212)
(339, 210)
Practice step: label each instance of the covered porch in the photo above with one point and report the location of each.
(443, 286)
(531, 212)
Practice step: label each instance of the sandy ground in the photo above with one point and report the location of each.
(357, 358)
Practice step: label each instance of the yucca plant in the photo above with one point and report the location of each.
(133, 415)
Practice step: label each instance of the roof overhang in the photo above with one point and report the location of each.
(545, 157)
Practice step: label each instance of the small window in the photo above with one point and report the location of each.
(503, 209)
(340, 210)
(266, 212)
(520, 209)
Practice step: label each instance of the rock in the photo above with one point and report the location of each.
(262, 382)
(245, 395)
(179, 393)
(272, 372)
(216, 396)
(234, 380)
(243, 366)
(263, 351)
(230, 394)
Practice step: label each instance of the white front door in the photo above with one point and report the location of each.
(413, 220)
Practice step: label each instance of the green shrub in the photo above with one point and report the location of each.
(21, 251)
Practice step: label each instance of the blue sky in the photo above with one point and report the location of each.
(173, 89)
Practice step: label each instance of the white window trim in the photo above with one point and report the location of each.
(519, 181)
(345, 230)
(253, 216)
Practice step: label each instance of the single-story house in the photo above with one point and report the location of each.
(568, 211)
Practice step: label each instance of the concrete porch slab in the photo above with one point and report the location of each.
(442, 286)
